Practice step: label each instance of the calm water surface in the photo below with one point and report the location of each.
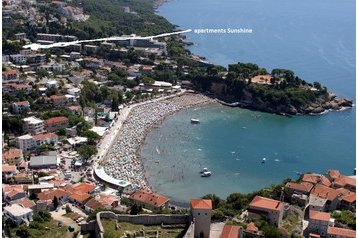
(314, 39)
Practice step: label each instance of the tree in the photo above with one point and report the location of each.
(91, 136)
(68, 209)
(55, 202)
(42, 216)
(86, 151)
(135, 209)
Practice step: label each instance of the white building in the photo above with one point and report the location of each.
(25, 143)
(18, 214)
(51, 84)
(20, 107)
(18, 58)
(34, 125)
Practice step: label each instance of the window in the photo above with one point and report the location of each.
(198, 213)
(206, 214)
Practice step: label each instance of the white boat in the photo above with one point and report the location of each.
(204, 170)
(195, 121)
(206, 174)
(263, 160)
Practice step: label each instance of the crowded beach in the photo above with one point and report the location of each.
(123, 160)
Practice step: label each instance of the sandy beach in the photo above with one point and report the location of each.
(122, 160)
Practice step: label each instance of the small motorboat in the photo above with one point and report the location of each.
(263, 160)
(206, 174)
(195, 121)
(204, 170)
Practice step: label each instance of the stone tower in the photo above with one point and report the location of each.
(201, 215)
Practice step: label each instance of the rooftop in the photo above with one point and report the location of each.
(201, 204)
(8, 168)
(44, 160)
(80, 197)
(152, 199)
(316, 178)
(251, 227)
(266, 203)
(45, 136)
(304, 186)
(83, 187)
(230, 231)
(33, 120)
(54, 120)
(321, 216)
(341, 232)
(17, 210)
(23, 103)
(325, 192)
(12, 153)
(94, 204)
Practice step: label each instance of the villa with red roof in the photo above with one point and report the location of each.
(56, 123)
(150, 200)
(45, 139)
(270, 208)
(319, 222)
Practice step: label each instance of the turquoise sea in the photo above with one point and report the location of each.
(316, 39)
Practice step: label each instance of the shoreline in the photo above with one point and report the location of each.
(123, 159)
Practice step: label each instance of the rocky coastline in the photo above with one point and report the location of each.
(321, 106)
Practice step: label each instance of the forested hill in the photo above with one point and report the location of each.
(108, 18)
(279, 91)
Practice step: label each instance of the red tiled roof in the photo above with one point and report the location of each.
(8, 168)
(83, 187)
(74, 108)
(304, 186)
(12, 153)
(321, 216)
(230, 231)
(201, 204)
(44, 136)
(94, 204)
(8, 188)
(316, 178)
(334, 174)
(251, 227)
(9, 71)
(17, 86)
(267, 203)
(49, 195)
(80, 197)
(341, 232)
(344, 180)
(22, 103)
(313, 235)
(350, 198)
(151, 199)
(27, 203)
(56, 120)
(325, 192)
(107, 200)
(55, 97)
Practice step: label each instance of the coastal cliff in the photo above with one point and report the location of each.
(280, 91)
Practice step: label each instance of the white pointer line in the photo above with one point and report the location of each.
(36, 46)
